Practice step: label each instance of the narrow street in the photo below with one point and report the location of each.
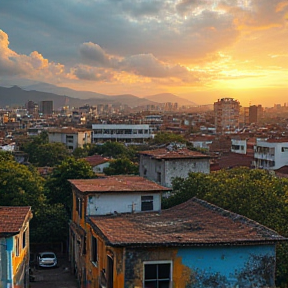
(59, 277)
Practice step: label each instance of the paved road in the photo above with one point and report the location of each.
(59, 277)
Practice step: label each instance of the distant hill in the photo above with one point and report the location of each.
(61, 96)
(168, 97)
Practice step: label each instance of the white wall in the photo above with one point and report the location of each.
(107, 203)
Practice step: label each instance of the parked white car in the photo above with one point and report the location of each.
(46, 259)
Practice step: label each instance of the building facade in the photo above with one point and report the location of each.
(195, 244)
(71, 137)
(165, 164)
(14, 246)
(46, 107)
(130, 133)
(271, 154)
(226, 112)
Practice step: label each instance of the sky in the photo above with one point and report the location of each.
(201, 50)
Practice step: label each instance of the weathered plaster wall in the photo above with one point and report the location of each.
(103, 203)
(229, 266)
(181, 168)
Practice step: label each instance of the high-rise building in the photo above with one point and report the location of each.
(226, 112)
(32, 108)
(46, 107)
(255, 113)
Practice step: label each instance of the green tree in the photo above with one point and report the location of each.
(58, 189)
(50, 224)
(49, 154)
(20, 185)
(121, 166)
(42, 153)
(166, 138)
(6, 156)
(112, 149)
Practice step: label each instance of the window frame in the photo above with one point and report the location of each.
(150, 200)
(159, 263)
(17, 246)
(24, 241)
(94, 250)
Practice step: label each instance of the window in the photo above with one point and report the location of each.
(17, 246)
(159, 177)
(79, 207)
(24, 239)
(157, 275)
(84, 246)
(94, 254)
(284, 149)
(146, 203)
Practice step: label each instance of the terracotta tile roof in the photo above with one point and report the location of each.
(12, 218)
(164, 153)
(278, 140)
(231, 160)
(96, 160)
(68, 130)
(117, 184)
(193, 223)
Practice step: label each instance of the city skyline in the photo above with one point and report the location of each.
(201, 50)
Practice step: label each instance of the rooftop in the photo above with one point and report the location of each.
(95, 160)
(193, 223)
(117, 184)
(12, 218)
(182, 153)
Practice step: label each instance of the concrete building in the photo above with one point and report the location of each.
(226, 112)
(46, 107)
(71, 137)
(239, 145)
(129, 133)
(120, 238)
(165, 164)
(271, 154)
(255, 113)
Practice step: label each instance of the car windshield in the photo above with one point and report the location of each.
(48, 255)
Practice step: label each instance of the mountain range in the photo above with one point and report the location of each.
(18, 96)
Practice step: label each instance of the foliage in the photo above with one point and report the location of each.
(20, 185)
(6, 156)
(41, 153)
(58, 189)
(166, 138)
(49, 224)
(121, 166)
(253, 193)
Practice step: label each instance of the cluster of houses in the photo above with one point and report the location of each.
(119, 236)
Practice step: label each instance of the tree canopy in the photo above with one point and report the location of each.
(166, 138)
(122, 166)
(58, 188)
(42, 153)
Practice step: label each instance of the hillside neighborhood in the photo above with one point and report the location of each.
(155, 195)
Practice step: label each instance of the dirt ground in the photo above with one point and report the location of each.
(59, 277)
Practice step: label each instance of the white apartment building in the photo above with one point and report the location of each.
(71, 137)
(239, 146)
(129, 133)
(271, 154)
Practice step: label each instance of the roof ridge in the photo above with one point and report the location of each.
(237, 217)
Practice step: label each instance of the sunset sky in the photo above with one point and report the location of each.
(200, 50)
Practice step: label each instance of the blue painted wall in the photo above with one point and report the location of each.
(230, 266)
